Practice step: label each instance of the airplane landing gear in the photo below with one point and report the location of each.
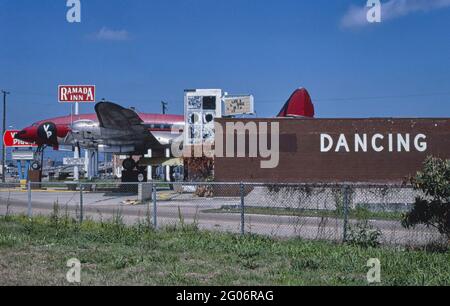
(35, 165)
(129, 164)
(133, 173)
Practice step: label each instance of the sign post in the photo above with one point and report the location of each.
(76, 94)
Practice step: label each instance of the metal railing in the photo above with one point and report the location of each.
(336, 212)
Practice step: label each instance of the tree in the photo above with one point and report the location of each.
(433, 209)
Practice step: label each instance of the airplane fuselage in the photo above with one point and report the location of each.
(85, 131)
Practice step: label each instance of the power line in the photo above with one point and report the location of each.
(277, 100)
(343, 99)
(418, 95)
(42, 94)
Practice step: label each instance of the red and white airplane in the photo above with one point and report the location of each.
(112, 129)
(119, 130)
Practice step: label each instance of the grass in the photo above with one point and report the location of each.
(35, 253)
(359, 213)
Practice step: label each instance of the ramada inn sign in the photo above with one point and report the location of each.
(76, 93)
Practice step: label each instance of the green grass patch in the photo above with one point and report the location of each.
(35, 252)
(357, 214)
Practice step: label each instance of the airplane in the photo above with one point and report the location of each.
(119, 130)
(112, 129)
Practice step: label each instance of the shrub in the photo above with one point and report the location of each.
(433, 210)
(364, 235)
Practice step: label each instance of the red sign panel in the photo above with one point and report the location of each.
(10, 141)
(76, 93)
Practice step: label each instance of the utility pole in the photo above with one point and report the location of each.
(164, 107)
(76, 152)
(3, 133)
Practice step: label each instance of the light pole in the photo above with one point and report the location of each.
(3, 133)
(164, 107)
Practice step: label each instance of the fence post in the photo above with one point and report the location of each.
(242, 209)
(346, 207)
(149, 201)
(155, 221)
(81, 202)
(30, 212)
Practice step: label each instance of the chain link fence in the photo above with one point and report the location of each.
(341, 212)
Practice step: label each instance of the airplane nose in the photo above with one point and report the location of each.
(27, 134)
(21, 135)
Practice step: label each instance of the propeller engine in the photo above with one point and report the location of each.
(48, 133)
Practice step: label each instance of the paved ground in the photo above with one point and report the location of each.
(175, 208)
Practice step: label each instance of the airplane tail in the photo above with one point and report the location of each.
(298, 105)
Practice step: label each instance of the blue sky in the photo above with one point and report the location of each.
(140, 52)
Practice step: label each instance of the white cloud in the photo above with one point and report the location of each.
(391, 9)
(111, 35)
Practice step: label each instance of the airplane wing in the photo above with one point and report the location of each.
(115, 117)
